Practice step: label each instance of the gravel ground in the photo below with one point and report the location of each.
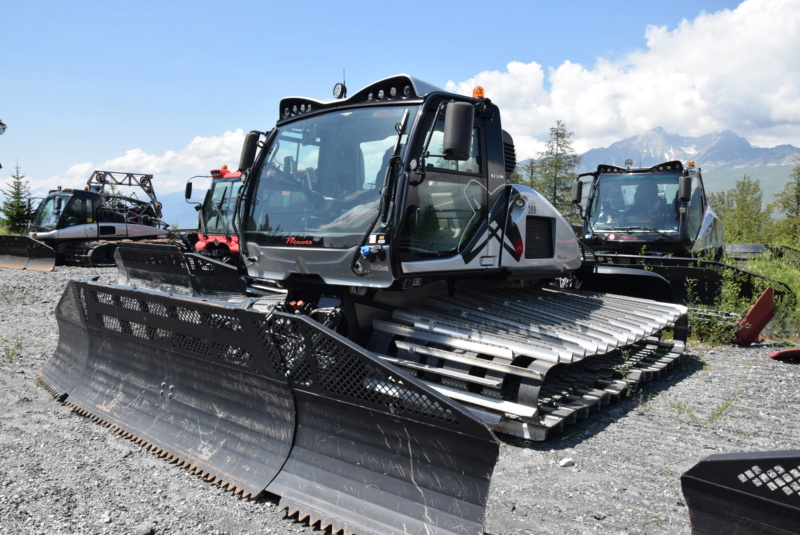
(616, 473)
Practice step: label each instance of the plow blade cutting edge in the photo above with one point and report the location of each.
(744, 494)
(22, 252)
(266, 401)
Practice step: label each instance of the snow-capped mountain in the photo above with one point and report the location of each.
(711, 152)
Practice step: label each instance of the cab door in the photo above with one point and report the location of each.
(78, 219)
(447, 207)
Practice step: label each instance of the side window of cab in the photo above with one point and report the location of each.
(470, 166)
(448, 205)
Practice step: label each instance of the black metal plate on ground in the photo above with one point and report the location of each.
(22, 252)
(745, 494)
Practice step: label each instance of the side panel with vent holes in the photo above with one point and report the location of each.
(744, 494)
(274, 402)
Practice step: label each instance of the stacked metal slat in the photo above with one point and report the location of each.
(528, 361)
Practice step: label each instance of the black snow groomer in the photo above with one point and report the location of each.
(402, 303)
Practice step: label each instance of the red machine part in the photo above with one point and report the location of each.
(754, 322)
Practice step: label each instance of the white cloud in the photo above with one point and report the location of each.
(170, 170)
(730, 70)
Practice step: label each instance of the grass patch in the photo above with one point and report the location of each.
(718, 414)
(685, 412)
(643, 404)
(11, 349)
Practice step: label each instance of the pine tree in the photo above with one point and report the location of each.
(524, 174)
(743, 215)
(787, 202)
(555, 170)
(14, 211)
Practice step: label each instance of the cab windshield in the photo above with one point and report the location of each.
(636, 202)
(49, 212)
(218, 212)
(320, 181)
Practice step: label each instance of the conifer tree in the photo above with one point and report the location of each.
(787, 203)
(554, 171)
(14, 210)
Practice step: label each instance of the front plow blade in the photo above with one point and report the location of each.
(268, 401)
(745, 494)
(166, 268)
(22, 252)
(375, 450)
(187, 379)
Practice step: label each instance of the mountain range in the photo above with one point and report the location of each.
(711, 151)
(724, 157)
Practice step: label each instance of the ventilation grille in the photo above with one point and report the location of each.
(539, 237)
(509, 154)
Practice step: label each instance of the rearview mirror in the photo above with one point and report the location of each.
(309, 135)
(458, 130)
(249, 149)
(577, 191)
(188, 193)
(685, 188)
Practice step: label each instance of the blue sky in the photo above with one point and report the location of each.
(170, 87)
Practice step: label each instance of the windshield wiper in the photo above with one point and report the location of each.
(220, 215)
(651, 229)
(648, 229)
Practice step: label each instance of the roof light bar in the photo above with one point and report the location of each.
(393, 89)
